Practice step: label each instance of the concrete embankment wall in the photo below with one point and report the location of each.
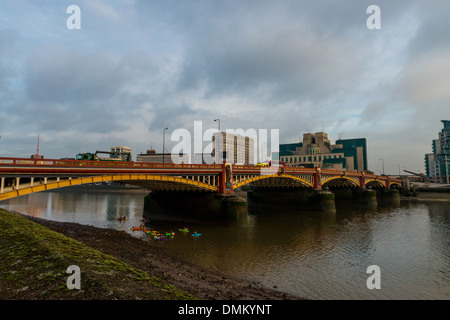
(427, 194)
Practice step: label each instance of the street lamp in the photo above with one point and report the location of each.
(164, 143)
(218, 120)
(382, 162)
(399, 174)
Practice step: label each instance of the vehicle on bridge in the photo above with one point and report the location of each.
(264, 164)
(276, 163)
(272, 163)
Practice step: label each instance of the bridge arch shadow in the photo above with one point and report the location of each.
(276, 180)
(375, 184)
(340, 181)
(396, 185)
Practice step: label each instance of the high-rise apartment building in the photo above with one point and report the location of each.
(232, 148)
(437, 163)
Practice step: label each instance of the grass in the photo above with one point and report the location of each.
(34, 260)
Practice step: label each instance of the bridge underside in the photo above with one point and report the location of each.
(278, 182)
(288, 181)
(340, 183)
(14, 187)
(346, 182)
(167, 186)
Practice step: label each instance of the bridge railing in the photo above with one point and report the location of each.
(25, 162)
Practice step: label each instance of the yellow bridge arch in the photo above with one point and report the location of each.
(396, 183)
(271, 176)
(383, 183)
(139, 180)
(340, 177)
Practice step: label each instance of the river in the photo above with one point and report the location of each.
(312, 255)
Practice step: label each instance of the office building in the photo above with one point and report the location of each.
(153, 157)
(316, 150)
(233, 148)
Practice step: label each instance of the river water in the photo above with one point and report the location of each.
(309, 254)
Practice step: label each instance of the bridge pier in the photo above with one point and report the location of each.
(389, 197)
(356, 195)
(361, 198)
(196, 206)
(365, 196)
(343, 194)
(299, 199)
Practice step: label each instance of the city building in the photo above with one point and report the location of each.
(203, 158)
(354, 150)
(122, 152)
(316, 150)
(437, 163)
(153, 157)
(233, 148)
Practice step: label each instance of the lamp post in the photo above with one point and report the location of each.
(218, 120)
(382, 162)
(399, 174)
(164, 144)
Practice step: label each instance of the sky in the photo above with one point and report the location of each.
(136, 67)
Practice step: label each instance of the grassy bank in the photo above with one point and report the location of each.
(34, 260)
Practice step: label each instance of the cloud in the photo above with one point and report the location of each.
(244, 52)
(103, 9)
(61, 76)
(136, 67)
(426, 79)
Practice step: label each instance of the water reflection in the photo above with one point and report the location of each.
(311, 254)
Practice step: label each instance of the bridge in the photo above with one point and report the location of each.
(21, 176)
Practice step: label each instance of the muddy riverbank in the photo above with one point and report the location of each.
(199, 282)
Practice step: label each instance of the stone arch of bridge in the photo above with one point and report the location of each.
(375, 183)
(293, 178)
(396, 185)
(339, 181)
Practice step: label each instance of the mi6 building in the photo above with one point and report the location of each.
(316, 150)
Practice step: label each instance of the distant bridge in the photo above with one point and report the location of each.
(19, 176)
